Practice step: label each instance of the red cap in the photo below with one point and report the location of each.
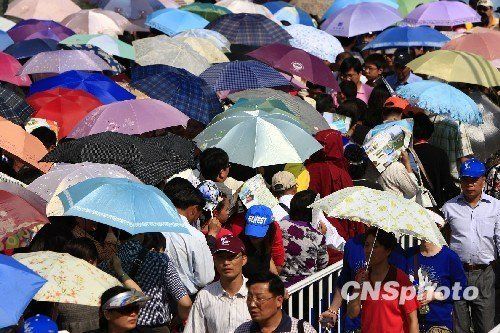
(229, 243)
(396, 102)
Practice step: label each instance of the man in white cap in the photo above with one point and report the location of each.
(284, 186)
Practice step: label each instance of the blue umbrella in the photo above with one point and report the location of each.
(443, 99)
(5, 40)
(31, 47)
(243, 75)
(407, 37)
(179, 88)
(341, 4)
(120, 203)
(18, 286)
(131, 9)
(103, 88)
(283, 11)
(172, 21)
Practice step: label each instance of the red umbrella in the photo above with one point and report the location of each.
(9, 66)
(65, 106)
(297, 62)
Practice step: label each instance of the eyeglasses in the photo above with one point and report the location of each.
(370, 68)
(258, 301)
(128, 310)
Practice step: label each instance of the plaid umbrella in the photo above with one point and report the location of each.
(116, 67)
(179, 88)
(151, 160)
(14, 107)
(249, 29)
(31, 47)
(241, 75)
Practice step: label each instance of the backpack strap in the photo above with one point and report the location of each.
(286, 209)
(300, 326)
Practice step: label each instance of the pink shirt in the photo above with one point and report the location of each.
(364, 92)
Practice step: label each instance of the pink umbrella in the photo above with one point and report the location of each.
(64, 60)
(9, 67)
(485, 44)
(130, 117)
(55, 10)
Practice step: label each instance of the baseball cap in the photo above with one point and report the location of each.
(126, 298)
(473, 168)
(402, 57)
(229, 243)
(283, 181)
(485, 3)
(39, 324)
(258, 218)
(396, 103)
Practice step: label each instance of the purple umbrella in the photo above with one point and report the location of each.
(64, 60)
(361, 18)
(43, 29)
(130, 117)
(442, 13)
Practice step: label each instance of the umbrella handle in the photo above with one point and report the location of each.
(371, 251)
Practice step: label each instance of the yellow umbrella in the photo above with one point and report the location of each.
(55, 10)
(457, 66)
(205, 48)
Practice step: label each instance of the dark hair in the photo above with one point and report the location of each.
(378, 96)
(422, 126)
(212, 162)
(384, 238)
(342, 56)
(350, 63)
(276, 285)
(154, 240)
(51, 237)
(376, 59)
(106, 296)
(183, 194)
(349, 89)
(357, 161)
(83, 248)
(324, 103)
(387, 112)
(355, 109)
(47, 136)
(299, 203)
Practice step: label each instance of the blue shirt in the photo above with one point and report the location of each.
(475, 232)
(442, 269)
(394, 82)
(354, 260)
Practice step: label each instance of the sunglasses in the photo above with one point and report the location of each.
(128, 310)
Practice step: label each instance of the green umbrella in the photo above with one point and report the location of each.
(108, 44)
(406, 6)
(208, 11)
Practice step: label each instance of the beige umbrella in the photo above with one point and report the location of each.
(313, 7)
(205, 48)
(98, 21)
(244, 6)
(55, 10)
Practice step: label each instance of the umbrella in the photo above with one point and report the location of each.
(64, 60)
(216, 38)
(101, 87)
(13, 107)
(313, 7)
(407, 37)
(314, 41)
(206, 48)
(44, 29)
(304, 111)
(9, 67)
(484, 44)
(120, 203)
(241, 75)
(441, 98)
(172, 21)
(362, 18)
(457, 66)
(130, 117)
(442, 13)
(8, 179)
(131, 9)
(108, 44)
(163, 50)
(406, 6)
(18, 284)
(65, 106)
(151, 160)
(6, 24)
(296, 62)
(208, 11)
(5, 40)
(243, 6)
(249, 29)
(69, 279)
(341, 4)
(116, 67)
(283, 11)
(55, 10)
(381, 209)
(98, 21)
(179, 88)
(62, 176)
(19, 190)
(15, 140)
(31, 47)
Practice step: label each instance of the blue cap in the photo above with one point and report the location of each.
(38, 324)
(473, 168)
(258, 219)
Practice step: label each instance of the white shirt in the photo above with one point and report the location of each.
(286, 199)
(191, 256)
(214, 311)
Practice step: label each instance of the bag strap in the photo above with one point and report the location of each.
(300, 326)
(285, 208)
(416, 265)
(422, 169)
(137, 262)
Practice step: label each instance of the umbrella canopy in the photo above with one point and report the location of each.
(362, 18)
(14, 275)
(18, 142)
(407, 37)
(5, 40)
(484, 44)
(243, 6)
(108, 44)
(341, 4)
(216, 38)
(63, 176)
(130, 117)
(98, 21)
(179, 88)
(442, 13)
(249, 29)
(9, 67)
(296, 62)
(314, 41)
(55, 10)
(69, 279)
(101, 87)
(383, 210)
(172, 21)
(13, 107)
(441, 98)
(241, 75)
(65, 106)
(31, 47)
(206, 48)
(116, 67)
(120, 203)
(313, 7)
(457, 66)
(208, 11)
(283, 11)
(30, 198)
(44, 29)
(406, 6)
(6, 24)
(131, 9)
